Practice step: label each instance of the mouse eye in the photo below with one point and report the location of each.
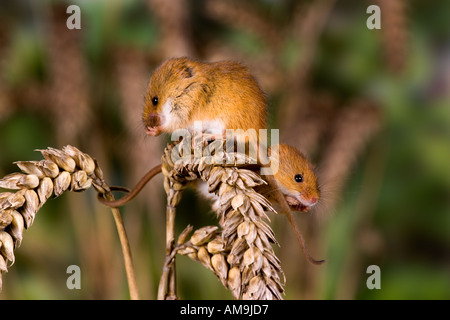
(155, 101)
(298, 178)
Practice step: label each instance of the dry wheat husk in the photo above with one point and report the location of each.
(239, 253)
(63, 170)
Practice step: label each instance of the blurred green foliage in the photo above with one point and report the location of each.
(397, 197)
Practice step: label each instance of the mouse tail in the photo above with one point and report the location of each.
(290, 217)
(131, 193)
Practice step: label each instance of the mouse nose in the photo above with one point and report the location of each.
(154, 120)
(313, 200)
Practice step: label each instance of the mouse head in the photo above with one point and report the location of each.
(173, 90)
(296, 178)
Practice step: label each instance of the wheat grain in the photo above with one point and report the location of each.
(63, 170)
(239, 252)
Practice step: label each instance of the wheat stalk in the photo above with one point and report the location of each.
(63, 170)
(239, 252)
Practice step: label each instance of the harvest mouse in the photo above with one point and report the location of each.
(295, 178)
(224, 95)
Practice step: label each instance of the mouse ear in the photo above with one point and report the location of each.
(187, 72)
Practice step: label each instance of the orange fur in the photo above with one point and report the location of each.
(224, 92)
(301, 196)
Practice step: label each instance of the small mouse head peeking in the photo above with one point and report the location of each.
(174, 88)
(296, 179)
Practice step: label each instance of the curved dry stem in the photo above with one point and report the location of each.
(126, 252)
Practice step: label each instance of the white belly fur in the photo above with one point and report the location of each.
(202, 188)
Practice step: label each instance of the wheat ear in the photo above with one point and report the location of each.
(239, 252)
(63, 170)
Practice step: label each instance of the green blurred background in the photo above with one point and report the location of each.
(371, 108)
